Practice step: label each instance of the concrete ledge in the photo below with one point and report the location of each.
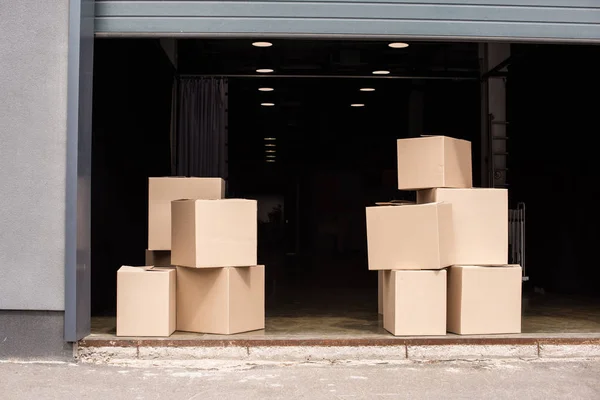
(392, 350)
(192, 353)
(472, 351)
(570, 350)
(327, 353)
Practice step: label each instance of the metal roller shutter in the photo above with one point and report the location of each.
(535, 20)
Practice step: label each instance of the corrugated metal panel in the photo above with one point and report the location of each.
(554, 20)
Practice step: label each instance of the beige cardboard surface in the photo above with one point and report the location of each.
(158, 258)
(410, 236)
(484, 300)
(214, 233)
(221, 300)
(380, 292)
(163, 190)
(415, 302)
(146, 301)
(434, 161)
(480, 218)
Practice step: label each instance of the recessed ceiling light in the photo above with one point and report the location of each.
(270, 138)
(270, 160)
(269, 151)
(265, 89)
(270, 145)
(398, 45)
(367, 89)
(357, 105)
(270, 156)
(262, 44)
(381, 72)
(267, 104)
(264, 70)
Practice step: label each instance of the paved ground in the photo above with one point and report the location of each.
(404, 380)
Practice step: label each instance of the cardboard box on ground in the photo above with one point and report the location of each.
(484, 300)
(471, 240)
(146, 303)
(414, 302)
(217, 286)
(221, 300)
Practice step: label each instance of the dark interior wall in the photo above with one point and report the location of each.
(131, 121)
(553, 111)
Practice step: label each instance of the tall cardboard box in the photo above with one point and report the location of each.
(161, 191)
(221, 300)
(410, 236)
(214, 233)
(158, 258)
(414, 302)
(484, 300)
(480, 218)
(434, 161)
(146, 301)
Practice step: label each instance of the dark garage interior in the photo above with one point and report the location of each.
(333, 160)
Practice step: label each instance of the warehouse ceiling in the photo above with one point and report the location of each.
(314, 57)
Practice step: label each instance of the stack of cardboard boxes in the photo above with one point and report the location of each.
(216, 286)
(442, 262)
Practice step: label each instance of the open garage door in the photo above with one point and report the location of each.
(536, 20)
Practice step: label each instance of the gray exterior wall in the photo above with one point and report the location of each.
(33, 137)
(44, 175)
(547, 20)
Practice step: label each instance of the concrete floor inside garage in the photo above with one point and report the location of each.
(306, 299)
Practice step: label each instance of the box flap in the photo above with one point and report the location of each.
(490, 266)
(394, 203)
(143, 268)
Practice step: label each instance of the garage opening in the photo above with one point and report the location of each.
(314, 142)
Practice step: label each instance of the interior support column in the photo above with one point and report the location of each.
(493, 115)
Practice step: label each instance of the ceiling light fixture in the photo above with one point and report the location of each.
(270, 145)
(269, 151)
(357, 105)
(270, 156)
(270, 160)
(264, 70)
(262, 44)
(381, 72)
(270, 138)
(267, 104)
(398, 45)
(367, 89)
(265, 89)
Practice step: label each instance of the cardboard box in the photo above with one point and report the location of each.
(380, 292)
(484, 300)
(480, 218)
(161, 191)
(434, 161)
(221, 300)
(158, 258)
(410, 236)
(414, 302)
(146, 301)
(214, 233)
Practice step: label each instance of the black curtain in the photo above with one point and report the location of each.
(201, 139)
